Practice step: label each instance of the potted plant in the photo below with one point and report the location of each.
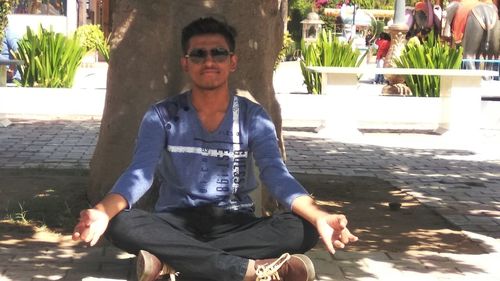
(50, 59)
(329, 50)
(432, 54)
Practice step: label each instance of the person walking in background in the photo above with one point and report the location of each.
(383, 43)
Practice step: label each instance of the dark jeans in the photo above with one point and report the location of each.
(209, 243)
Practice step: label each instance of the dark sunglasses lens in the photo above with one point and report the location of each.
(198, 55)
(219, 54)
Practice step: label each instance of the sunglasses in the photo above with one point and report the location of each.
(199, 55)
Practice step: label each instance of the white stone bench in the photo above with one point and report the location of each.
(460, 96)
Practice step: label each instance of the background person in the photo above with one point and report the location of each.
(383, 43)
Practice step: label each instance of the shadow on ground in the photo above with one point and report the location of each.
(40, 244)
(365, 200)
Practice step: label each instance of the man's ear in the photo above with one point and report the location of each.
(233, 63)
(184, 64)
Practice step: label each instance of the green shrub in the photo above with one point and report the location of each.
(50, 59)
(287, 49)
(327, 51)
(297, 11)
(431, 54)
(92, 38)
(6, 7)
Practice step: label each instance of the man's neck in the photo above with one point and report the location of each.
(209, 101)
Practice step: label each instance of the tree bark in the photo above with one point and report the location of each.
(145, 67)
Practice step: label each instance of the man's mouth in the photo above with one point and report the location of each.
(209, 70)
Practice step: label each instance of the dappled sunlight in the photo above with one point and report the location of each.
(365, 201)
(329, 203)
(463, 192)
(444, 205)
(40, 208)
(408, 265)
(45, 255)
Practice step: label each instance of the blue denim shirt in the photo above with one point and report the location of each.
(196, 167)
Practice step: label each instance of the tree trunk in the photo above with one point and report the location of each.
(145, 67)
(82, 13)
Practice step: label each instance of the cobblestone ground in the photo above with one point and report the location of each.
(49, 144)
(460, 181)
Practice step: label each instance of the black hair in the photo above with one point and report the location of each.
(385, 36)
(208, 25)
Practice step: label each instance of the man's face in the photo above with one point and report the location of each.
(209, 62)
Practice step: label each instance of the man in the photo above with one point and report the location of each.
(201, 144)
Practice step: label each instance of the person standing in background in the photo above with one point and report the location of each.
(383, 43)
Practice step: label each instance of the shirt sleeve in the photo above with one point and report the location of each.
(138, 177)
(274, 174)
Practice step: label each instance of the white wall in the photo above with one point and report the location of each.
(63, 24)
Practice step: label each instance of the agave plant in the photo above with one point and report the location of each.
(431, 54)
(327, 51)
(50, 59)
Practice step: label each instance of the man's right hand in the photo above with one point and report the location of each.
(91, 227)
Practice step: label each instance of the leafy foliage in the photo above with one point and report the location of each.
(431, 54)
(297, 11)
(50, 59)
(327, 51)
(5, 9)
(287, 49)
(92, 38)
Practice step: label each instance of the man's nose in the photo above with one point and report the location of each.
(209, 59)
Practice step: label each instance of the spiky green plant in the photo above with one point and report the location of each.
(327, 51)
(431, 54)
(50, 59)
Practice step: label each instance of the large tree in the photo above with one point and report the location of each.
(144, 68)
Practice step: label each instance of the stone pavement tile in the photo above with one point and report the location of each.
(328, 268)
(356, 273)
(87, 275)
(51, 271)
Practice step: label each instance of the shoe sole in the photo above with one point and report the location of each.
(142, 271)
(311, 272)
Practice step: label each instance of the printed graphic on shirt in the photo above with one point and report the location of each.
(222, 170)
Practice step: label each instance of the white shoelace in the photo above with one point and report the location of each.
(268, 272)
(167, 269)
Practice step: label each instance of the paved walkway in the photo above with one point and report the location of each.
(456, 180)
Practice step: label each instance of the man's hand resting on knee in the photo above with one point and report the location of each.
(331, 227)
(91, 227)
(93, 222)
(333, 231)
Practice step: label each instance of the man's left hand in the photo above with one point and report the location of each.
(333, 231)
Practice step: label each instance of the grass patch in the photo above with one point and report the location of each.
(43, 198)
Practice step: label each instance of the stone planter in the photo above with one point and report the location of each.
(46, 103)
(362, 111)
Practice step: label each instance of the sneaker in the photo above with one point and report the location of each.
(150, 268)
(286, 268)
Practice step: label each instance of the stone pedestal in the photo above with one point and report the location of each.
(398, 42)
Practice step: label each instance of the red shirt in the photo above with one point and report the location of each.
(383, 47)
